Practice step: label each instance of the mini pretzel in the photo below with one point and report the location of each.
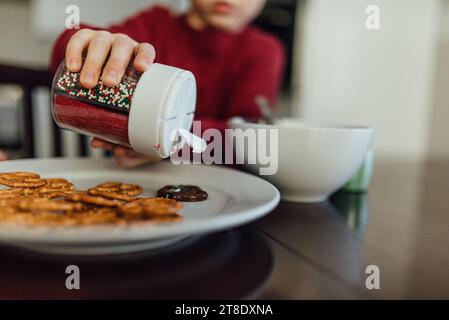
(151, 207)
(43, 218)
(19, 175)
(56, 185)
(116, 191)
(11, 193)
(94, 216)
(98, 201)
(42, 204)
(21, 180)
(6, 210)
(31, 183)
(122, 188)
(131, 189)
(54, 202)
(14, 200)
(5, 203)
(111, 195)
(57, 194)
(49, 218)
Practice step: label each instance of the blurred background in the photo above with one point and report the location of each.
(393, 78)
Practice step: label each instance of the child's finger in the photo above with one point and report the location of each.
(74, 50)
(108, 146)
(121, 151)
(101, 144)
(132, 162)
(3, 156)
(99, 48)
(145, 55)
(121, 53)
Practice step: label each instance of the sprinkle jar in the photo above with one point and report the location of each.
(143, 112)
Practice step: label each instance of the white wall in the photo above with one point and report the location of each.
(439, 122)
(382, 78)
(49, 15)
(28, 28)
(18, 44)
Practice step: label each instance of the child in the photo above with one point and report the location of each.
(232, 61)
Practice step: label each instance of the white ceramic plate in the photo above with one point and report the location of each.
(235, 198)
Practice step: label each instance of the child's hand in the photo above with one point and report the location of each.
(113, 52)
(116, 48)
(125, 157)
(3, 156)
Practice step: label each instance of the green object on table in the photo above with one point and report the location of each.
(354, 207)
(360, 182)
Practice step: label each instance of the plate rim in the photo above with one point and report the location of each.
(227, 221)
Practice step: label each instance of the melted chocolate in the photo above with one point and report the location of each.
(183, 193)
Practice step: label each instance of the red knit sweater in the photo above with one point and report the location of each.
(231, 69)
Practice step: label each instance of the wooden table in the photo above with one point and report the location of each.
(299, 251)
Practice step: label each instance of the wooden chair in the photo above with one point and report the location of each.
(28, 80)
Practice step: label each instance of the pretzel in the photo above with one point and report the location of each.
(111, 195)
(150, 207)
(94, 216)
(62, 195)
(18, 175)
(13, 216)
(21, 180)
(131, 189)
(122, 188)
(116, 191)
(4, 203)
(56, 185)
(50, 186)
(56, 188)
(7, 202)
(49, 218)
(43, 218)
(42, 204)
(6, 210)
(31, 183)
(11, 193)
(34, 201)
(94, 200)
(35, 211)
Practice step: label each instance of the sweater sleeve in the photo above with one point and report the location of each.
(140, 27)
(261, 74)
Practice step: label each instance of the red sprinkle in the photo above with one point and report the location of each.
(94, 121)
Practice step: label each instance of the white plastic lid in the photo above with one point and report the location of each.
(164, 102)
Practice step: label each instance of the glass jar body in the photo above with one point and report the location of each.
(101, 112)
